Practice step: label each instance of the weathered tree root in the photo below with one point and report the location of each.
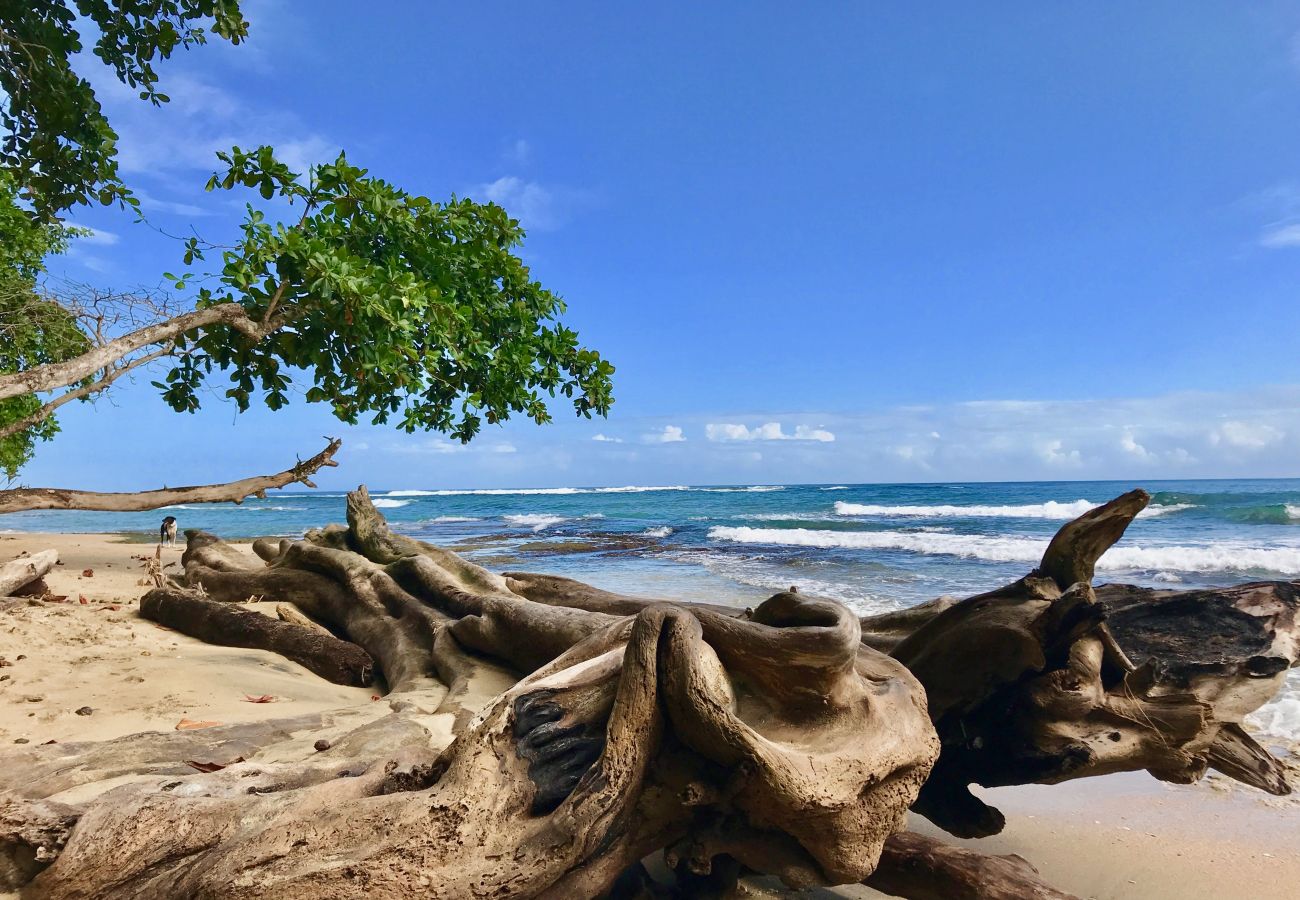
(228, 625)
(1030, 684)
(922, 868)
(592, 729)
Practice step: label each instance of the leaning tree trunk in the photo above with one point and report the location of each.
(592, 729)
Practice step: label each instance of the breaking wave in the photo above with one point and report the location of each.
(661, 532)
(1052, 509)
(535, 521)
(560, 491)
(1206, 558)
(384, 503)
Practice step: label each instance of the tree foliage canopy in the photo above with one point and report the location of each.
(33, 329)
(57, 140)
(358, 294)
(392, 305)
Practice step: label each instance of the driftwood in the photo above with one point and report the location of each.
(228, 625)
(287, 612)
(1040, 682)
(19, 573)
(592, 729)
(921, 868)
(18, 499)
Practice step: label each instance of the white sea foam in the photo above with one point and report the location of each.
(510, 492)
(752, 489)
(1052, 509)
(449, 519)
(780, 579)
(246, 508)
(661, 532)
(1281, 718)
(383, 503)
(534, 521)
(1196, 558)
(835, 487)
(1293, 511)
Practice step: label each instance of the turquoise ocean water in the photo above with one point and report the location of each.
(873, 547)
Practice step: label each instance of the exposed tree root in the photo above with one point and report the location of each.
(540, 737)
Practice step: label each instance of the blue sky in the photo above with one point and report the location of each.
(837, 242)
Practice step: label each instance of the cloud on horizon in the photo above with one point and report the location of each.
(769, 431)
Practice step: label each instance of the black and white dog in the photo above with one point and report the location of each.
(167, 534)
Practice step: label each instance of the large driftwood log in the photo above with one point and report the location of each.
(1029, 683)
(666, 729)
(21, 572)
(593, 728)
(229, 625)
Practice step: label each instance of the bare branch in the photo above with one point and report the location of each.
(20, 499)
(84, 391)
(56, 375)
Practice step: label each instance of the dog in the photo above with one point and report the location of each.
(167, 533)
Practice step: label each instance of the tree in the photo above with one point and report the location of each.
(58, 144)
(33, 330)
(379, 303)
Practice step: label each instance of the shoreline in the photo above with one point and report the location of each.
(1123, 836)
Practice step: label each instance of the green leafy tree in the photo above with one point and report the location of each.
(382, 304)
(57, 140)
(33, 329)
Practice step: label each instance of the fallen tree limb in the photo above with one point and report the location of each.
(920, 868)
(19, 573)
(19, 499)
(230, 625)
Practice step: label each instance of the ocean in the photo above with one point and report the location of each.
(874, 547)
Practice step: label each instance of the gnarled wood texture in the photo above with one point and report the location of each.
(592, 729)
(1040, 681)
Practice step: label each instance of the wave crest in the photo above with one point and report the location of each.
(1202, 558)
(1052, 509)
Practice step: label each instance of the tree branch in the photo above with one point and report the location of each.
(84, 391)
(20, 499)
(56, 375)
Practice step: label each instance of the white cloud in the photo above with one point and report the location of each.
(721, 432)
(441, 447)
(672, 434)
(1129, 444)
(1280, 236)
(805, 433)
(538, 207)
(1055, 453)
(606, 439)
(98, 237)
(1246, 435)
(174, 142)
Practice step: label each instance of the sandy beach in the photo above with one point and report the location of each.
(1121, 837)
